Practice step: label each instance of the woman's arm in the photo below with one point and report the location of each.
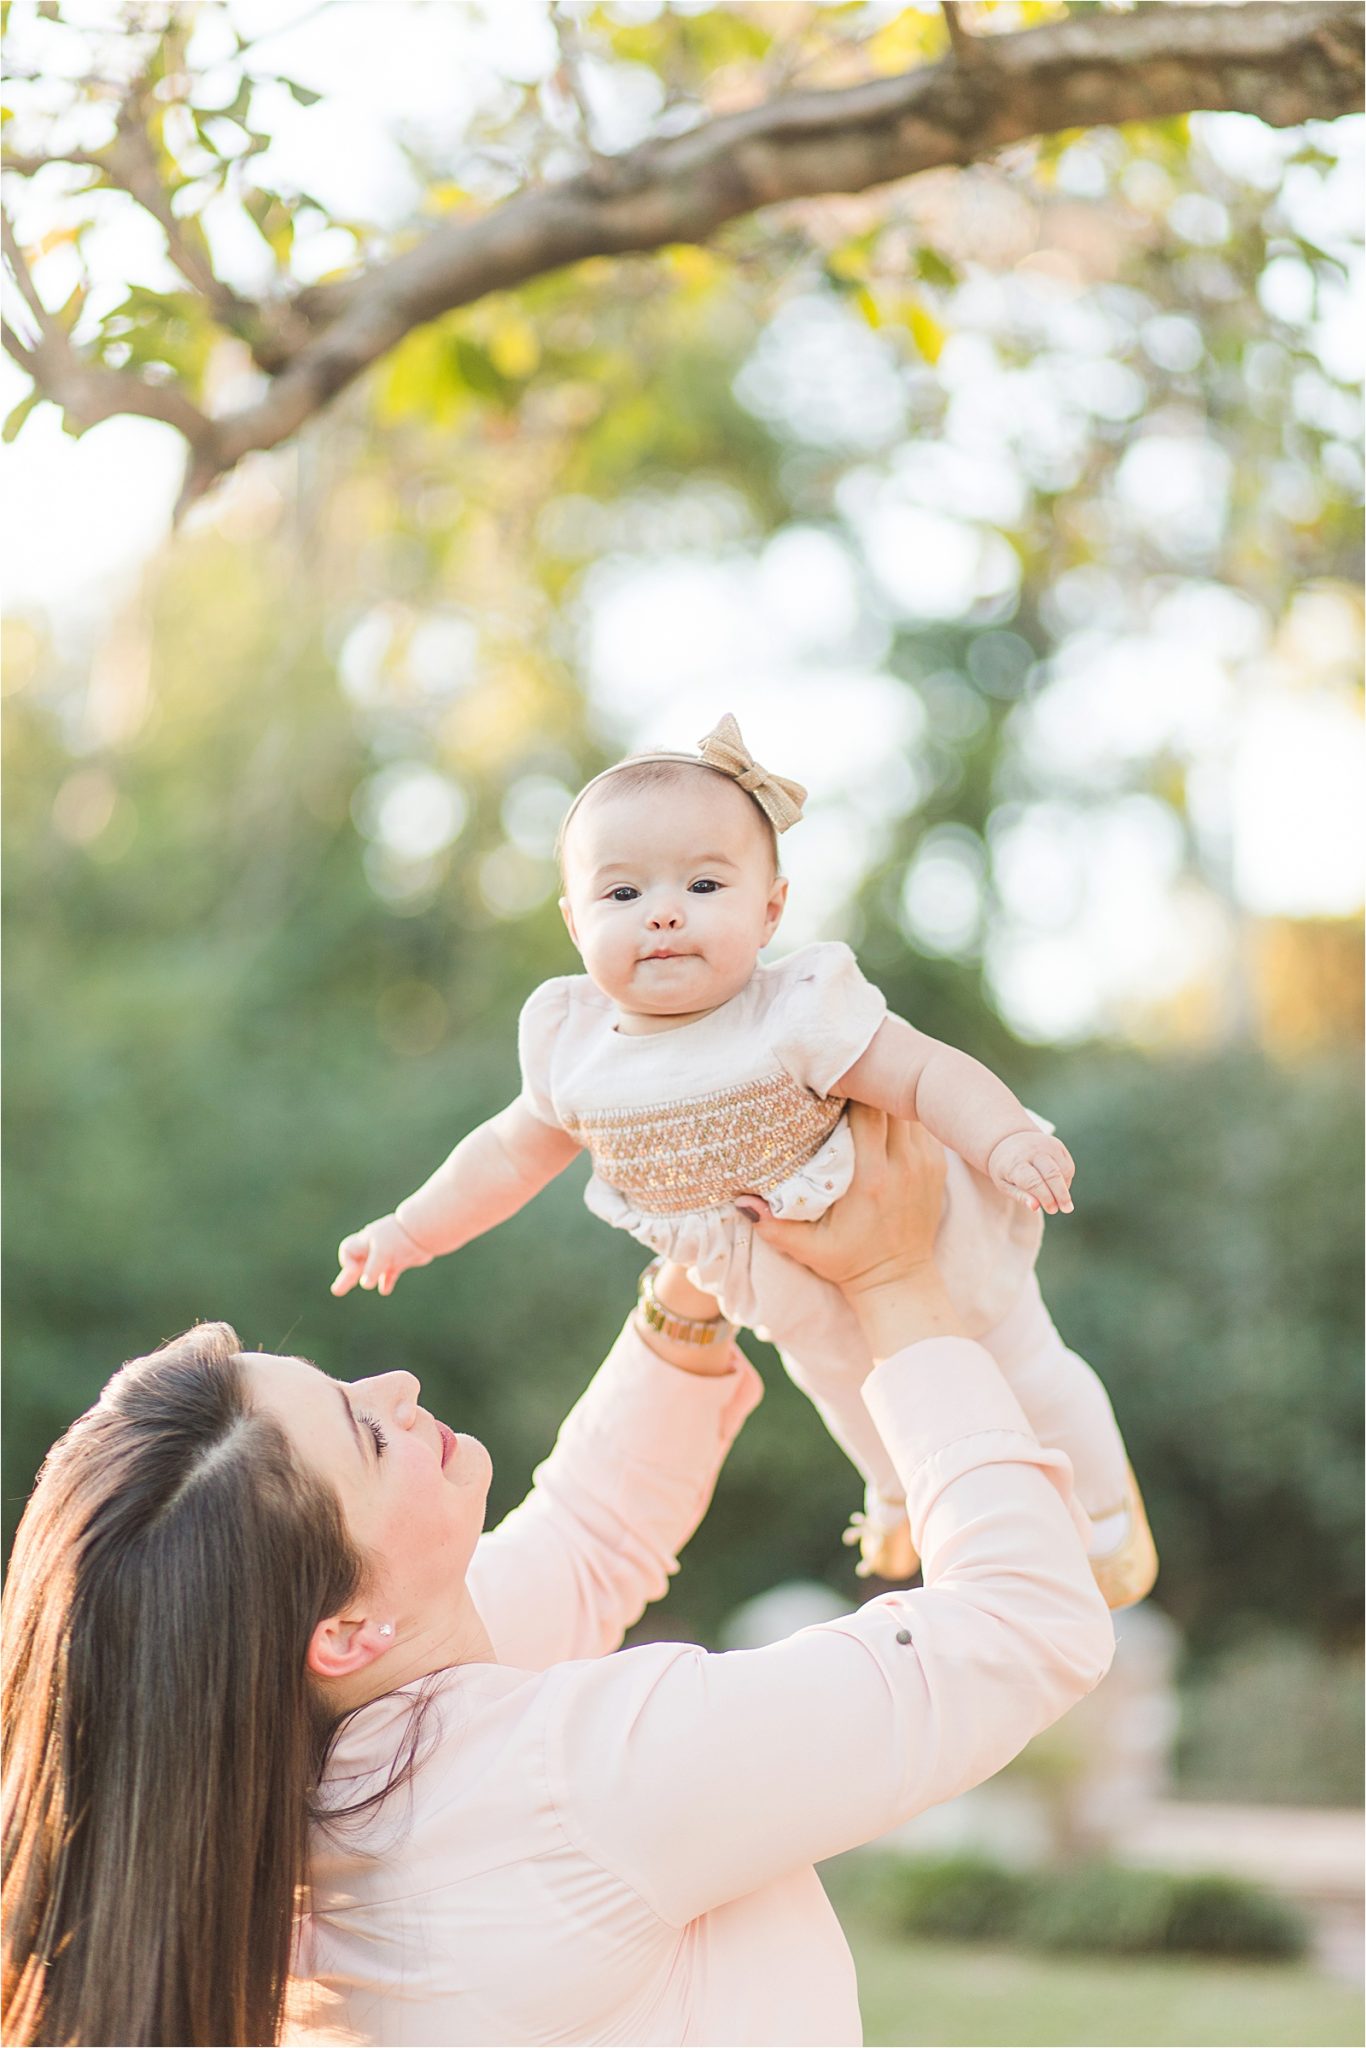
(697, 1778)
(910, 1075)
(630, 1477)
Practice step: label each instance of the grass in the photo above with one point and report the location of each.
(920, 1994)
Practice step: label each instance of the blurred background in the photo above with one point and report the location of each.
(1014, 509)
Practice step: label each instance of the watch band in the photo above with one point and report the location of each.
(683, 1329)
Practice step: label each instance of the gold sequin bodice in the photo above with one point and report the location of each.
(677, 1157)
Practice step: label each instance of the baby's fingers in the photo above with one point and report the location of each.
(1030, 1185)
(1057, 1166)
(351, 1257)
(1046, 1182)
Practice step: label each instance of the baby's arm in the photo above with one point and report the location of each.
(911, 1075)
(491, 1174)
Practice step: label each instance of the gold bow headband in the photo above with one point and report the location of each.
(723, 749)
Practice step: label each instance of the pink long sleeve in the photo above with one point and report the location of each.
(697, 1778)
(618, 1849)
(597, 1538)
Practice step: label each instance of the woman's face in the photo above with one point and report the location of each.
(413, 1492)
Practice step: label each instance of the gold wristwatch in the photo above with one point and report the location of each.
(683, 1329)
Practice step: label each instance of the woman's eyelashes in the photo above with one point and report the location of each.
(371, 1423)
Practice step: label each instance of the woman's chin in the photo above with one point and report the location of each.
(469, 1464)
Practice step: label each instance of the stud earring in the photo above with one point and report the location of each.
(386, 1628)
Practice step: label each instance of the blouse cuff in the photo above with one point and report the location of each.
(943, 1406)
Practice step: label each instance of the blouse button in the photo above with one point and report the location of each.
(903, 1635)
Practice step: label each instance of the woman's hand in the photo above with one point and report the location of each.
(876, 1244)
(885, 1225)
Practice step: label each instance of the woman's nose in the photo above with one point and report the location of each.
(398, 1392)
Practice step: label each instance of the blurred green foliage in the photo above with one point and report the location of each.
(1276, 1720)
(241, 1018)
(223, 1049)
(1079, 1908)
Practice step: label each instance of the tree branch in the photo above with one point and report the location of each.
(1286, 61)
(569, 73)
(129, 162)
(23, 276)
(20, 350)
(25, 165)
(963, 45)
(91, 391)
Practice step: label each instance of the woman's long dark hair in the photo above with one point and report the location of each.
(162, 1737)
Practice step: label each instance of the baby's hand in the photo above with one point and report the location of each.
(1035, 1169)
(377, 1255)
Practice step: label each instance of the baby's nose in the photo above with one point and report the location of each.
(666, 917)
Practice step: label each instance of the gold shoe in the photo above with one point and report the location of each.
(1125, 1574)
(883, 1536)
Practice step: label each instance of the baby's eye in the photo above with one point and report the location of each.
(702, 887)
(624, 894)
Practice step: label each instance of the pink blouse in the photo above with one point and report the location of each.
(618, 1847)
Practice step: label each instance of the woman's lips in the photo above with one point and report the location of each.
(449, 1442)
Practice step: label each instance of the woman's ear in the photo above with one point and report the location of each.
(339, 1648)
(773, 913)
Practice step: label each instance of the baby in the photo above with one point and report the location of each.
(694, 1075)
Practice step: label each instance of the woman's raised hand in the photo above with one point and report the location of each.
(876, 1244)
(884, 1226)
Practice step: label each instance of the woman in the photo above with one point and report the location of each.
(244, 1594)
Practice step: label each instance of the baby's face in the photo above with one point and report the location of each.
(670, 893)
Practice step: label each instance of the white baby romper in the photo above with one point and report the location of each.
(679, 1123)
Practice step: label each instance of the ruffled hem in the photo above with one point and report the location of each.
(985, 1248)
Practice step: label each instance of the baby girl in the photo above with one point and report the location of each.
(697, 1076)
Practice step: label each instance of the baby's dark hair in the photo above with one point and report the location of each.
(656, 774)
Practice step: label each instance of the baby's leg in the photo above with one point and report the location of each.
(881, 1529)
(1069, 1410)
(824, 1353)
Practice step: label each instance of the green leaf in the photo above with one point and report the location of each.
(867, 305)
(67, 315)
(925, 331)
(478, 372)
(273, 220)
(172, 329)
(15, 418)
(1321, 255)
(303, 94)
(935, 269)
(421, 381)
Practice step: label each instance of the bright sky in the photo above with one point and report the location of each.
(793, 635)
